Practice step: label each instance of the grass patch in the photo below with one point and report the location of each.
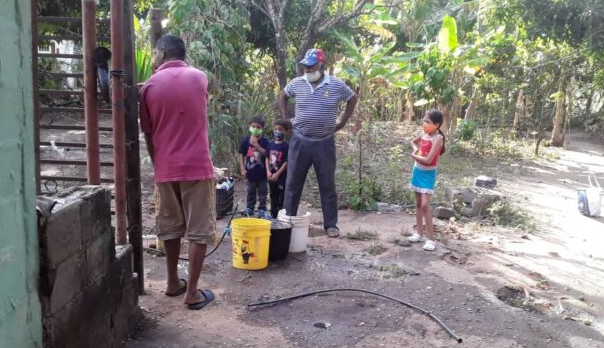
(394, 272)
(400, 242)
(363, 235)
(376, 249)
(506, 214)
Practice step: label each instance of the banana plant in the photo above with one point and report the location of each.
(443, 70)
(143, 50)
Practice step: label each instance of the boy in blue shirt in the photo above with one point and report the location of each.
(276, 165)
(252, 162)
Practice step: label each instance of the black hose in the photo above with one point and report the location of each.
(226, 230)
(410, 305)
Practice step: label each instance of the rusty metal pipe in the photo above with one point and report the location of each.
(119, 132)
(91, 114)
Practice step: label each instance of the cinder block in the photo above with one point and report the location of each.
(96, 212)
(62, 237)
(106, 310)
(121, 270)
(84, 322)
(122, 267)
(100, 254)
(97, 308)
(128, 313)
(124, 293)
(121, 273)
(67, 284)
(64, 328)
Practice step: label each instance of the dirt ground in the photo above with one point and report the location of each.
(552, 279)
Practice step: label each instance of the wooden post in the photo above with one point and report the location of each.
(90, 93)
(156, 29)
(133, 184)
(119, 133)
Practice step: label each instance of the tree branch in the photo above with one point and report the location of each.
(315, 15)
(272, 10)
(282, 9)
(262, 9)
(342, 18)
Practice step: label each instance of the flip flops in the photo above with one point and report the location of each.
(209, 297)
(178, 292)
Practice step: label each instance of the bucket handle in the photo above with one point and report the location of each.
(593, 181)
(289, 218)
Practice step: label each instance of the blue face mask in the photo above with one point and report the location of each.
(279, 135)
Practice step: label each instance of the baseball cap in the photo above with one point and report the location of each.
(313, 56)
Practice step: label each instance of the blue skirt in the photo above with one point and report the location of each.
(423, 180)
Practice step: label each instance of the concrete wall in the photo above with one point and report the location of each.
(20, 324)
(87, 288)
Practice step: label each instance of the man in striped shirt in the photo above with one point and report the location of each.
(318, 97)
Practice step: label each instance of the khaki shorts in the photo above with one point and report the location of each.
(186, 209)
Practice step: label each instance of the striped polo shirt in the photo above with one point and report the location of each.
(317, 109)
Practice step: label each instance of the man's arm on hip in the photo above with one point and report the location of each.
(283, 99)
(350, 105)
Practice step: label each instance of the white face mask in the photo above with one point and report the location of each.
(313, 76)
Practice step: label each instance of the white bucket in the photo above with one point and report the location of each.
(299, 237)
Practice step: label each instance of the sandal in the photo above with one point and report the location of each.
(209, 297)
(178, 292)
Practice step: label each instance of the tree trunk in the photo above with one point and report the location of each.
(569, 109)
(510, 106)
(454, 114)
(471, 110)
(281, 46)
(588, 105)
(409, 110)
(519, 113)
(558, 131)
(539, 139)
(444, 108)
(529, 106)
(275, 11)
(400, 108)
(505, 96)
(335, 58)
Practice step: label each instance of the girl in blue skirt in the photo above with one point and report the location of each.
(427, 147)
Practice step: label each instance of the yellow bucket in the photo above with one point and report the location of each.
(250, 239)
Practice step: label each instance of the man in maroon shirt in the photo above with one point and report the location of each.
(174, 119)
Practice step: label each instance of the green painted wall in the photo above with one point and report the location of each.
(20, 315)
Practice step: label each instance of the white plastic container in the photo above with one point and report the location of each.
(299, 237)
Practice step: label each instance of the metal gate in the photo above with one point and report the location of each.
(78, 142)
